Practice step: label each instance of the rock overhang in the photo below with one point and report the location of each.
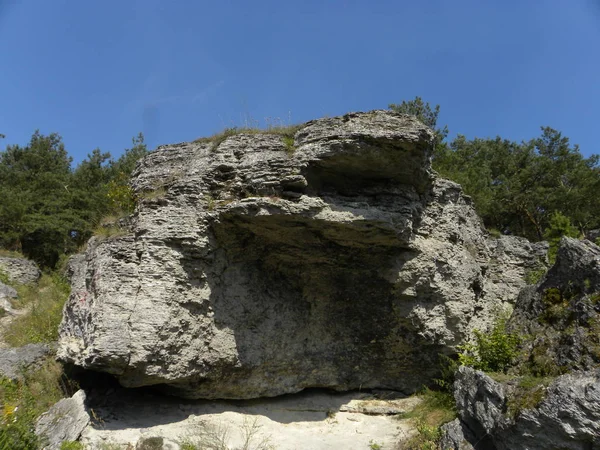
(252, 270)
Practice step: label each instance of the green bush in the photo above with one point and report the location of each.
(560, 225)
(493, 351)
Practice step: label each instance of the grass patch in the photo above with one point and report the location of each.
(529, 393)
(153, 194)
(10, 254)
(23, 401)
(287, 133)
(71, 445)
(45, 302)
(436, 408)
(534, 276)
(109, 227)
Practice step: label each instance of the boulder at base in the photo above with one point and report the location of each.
(64, 421)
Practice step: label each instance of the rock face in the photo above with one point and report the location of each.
(20, 270)
(256, 267)
(63, 422)
(565, 416)
(562, 313)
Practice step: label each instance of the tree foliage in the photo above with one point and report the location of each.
(49, 209)
(518, 187)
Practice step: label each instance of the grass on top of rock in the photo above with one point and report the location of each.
(286, 132)
(44, 303)
(528, 394)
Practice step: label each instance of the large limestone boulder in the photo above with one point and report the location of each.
(258, 266)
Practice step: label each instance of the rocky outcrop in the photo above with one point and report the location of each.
(565, 414)
(64, 421)
(263, 265)
(20, 270)
(562, 313)
(15, 361)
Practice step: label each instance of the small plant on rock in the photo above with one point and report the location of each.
(493, 351)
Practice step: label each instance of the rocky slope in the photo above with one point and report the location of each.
(263, 265)
(553, 398)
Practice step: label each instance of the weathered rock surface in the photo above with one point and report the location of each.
(13, 361)
(566, 417)
(250, 270)
(6, 294)
(64, 421)
(456, 436)
(20, 270)
(562, 313)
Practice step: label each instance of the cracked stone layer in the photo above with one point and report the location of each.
(249, 270)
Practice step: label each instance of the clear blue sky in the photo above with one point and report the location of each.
(97, 72)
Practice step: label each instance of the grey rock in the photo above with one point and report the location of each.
(593, 235)
(6, 294)
(568, 417)
(64, 421)
(454, 436)
(13, 361)
(228, 286)
(562, 312)
(20, 270)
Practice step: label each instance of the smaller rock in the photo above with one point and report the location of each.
(13, 361)
(593, 235)
(454, 436)
(64, 421)
(567, 416)
(20, 270)
(381, 407)
(6, 293)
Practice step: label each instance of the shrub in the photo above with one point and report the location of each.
(493, 351)
(560, 225)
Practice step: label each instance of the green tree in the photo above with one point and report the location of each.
(47, 209)
(517, 187)
(35, 214)
(120, 194)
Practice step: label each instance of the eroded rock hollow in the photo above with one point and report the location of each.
(262, 265)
